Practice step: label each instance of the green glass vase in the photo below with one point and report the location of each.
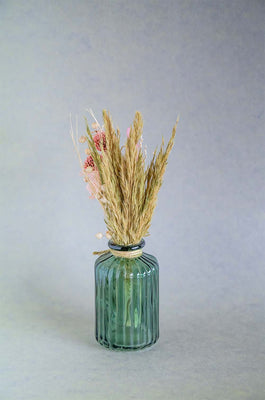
(127, 299)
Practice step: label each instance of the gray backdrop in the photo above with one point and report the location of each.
(201, 59)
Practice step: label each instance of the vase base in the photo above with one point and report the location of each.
(115, 347)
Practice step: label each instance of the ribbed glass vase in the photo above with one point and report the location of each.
(127, 299)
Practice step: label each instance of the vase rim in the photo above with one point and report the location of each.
(128, 247)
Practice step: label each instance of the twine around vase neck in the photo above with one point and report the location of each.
(127, 254)
(123, 254)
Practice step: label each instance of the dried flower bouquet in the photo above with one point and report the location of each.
(118, 178)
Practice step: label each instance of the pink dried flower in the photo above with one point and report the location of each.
(82, 139)
(108, 235)
(89, 163)
(95, 125)
(93, 183)
(99, 140)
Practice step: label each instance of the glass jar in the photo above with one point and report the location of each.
(127, 298)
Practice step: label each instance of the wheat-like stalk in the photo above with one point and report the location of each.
(128, 190)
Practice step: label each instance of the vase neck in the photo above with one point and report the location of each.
(129, 247)
(128, 251)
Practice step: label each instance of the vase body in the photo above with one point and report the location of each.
(127, 300)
